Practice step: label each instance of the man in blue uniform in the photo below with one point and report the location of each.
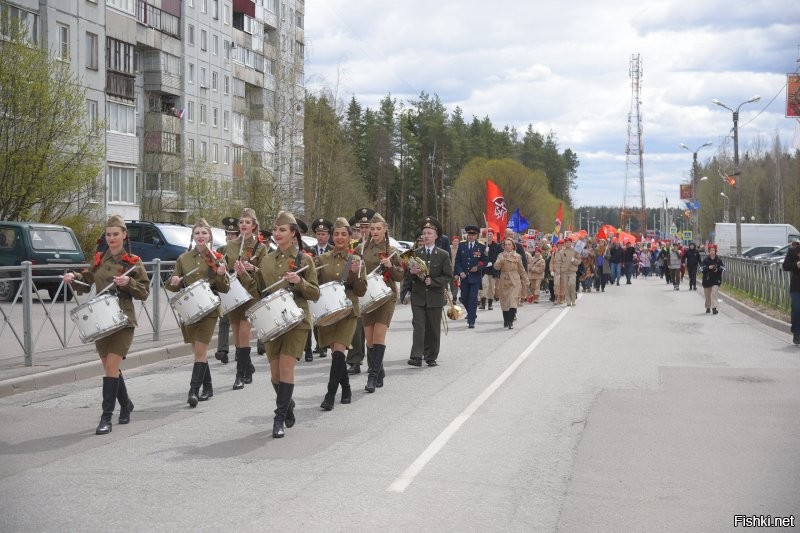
(470, 261)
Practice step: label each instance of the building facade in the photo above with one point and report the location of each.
(202, 99)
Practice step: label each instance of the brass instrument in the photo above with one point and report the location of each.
(409, 257)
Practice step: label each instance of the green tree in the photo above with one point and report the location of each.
(50, 156)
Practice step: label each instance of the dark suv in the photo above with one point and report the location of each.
(162, 240)
(41, 244)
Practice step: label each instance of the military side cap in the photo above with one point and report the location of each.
(230, 224)
(472, 229)
(364, 215)
(341, 222)
(377, 218)
(431, 222)
(285, 217)
(115, 221)
(322, 224)
(302, 225)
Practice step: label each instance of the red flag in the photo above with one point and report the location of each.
(496, 211)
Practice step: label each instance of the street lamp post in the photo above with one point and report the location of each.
(725, 213)
(696, 214)
(736, 173)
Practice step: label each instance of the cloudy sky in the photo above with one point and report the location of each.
(564, 66)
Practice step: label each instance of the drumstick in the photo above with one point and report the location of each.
(380, 265)
(131, 269)
(76, 281)
(282, 280)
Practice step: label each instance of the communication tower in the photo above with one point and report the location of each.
(633, 205)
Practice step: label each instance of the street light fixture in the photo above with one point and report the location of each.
(736, 172)
(695, 216)
(725, 213)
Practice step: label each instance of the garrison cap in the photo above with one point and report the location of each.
(285, 217)
(431, 222)
(322, 224)
(230, 224)
(364, 215)
(115, 221)
(472, 229)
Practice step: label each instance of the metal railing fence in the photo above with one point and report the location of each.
(762, 280)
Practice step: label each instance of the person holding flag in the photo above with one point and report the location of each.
(559, 218)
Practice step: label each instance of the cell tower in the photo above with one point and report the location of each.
(633, 205)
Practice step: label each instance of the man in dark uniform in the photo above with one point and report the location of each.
(231, 226)
(427, 294)
(470, 261)
(355, 355)
(322, 229)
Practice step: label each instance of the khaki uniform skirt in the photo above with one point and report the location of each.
(383, 314)
(339, 333)
(293, 343)
(118, 342)
(200, 331)
(237, 315)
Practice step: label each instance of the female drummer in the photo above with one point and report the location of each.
(283, 352)
(376, 252)
(340, 264)
(512, 280)
(243, 256)
(128, 279)
(200, 263)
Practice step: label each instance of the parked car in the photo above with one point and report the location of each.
(160, 240)
(40, 244)
(776, 256)
(758, 250)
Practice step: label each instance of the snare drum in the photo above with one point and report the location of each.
(194, 302)
(332, 305)
(274, 315)
(99, 317)
(378, 292)
(236, 296)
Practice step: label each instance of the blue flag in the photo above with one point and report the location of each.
(517, 222)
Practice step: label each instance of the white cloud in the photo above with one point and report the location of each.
(566, 70)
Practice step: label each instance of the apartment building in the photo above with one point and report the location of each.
(202, 99)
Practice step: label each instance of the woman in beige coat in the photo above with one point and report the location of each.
(510, 284)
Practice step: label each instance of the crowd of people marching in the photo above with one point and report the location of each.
(267, 282)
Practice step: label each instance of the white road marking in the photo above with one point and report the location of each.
(407, 477)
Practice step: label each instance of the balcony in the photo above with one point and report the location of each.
(120, 85)
(159, 20)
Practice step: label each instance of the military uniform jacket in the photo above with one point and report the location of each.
(106, 267)
(333, 265)
(274, 265)
(441, 275)
(536, 267)
(253, 252)
(196, 259)
(466, 259)
(372, 252)
(567, 261)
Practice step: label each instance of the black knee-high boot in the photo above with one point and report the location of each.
(372, 373)
(333, 385)
(378, 351)
(109, 401)
(512, 315)
(208, 388)
(285, 391)
(344, 378)
(241, 366)
(125, 403)
(249, 368)
(198, 369)
(290, 419)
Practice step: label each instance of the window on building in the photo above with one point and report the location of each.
(204, 6)
(63, 42)
(271, 5)
(202, 113)
(215, 45)
(214, 116)
(299, 20)
(190, 111)
(91, 113)
(203, 40)
(190, 73)
(226, 15)
(121, 118)
(162, 142)
(214, 80)
(203, 151)
(226, 85)
(119, 56)
(225, 120)
(215, 9)
(162, 181)
(226, 155)
(121, 184)
(203, 77)
(91, 50)
(128, 6)
(214, 153)
(28, 20)
(190, 35)
(238, 87)
(190, 149)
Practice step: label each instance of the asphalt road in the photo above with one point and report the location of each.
(633, 411)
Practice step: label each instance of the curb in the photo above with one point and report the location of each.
(755, 314)
(91, 369)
